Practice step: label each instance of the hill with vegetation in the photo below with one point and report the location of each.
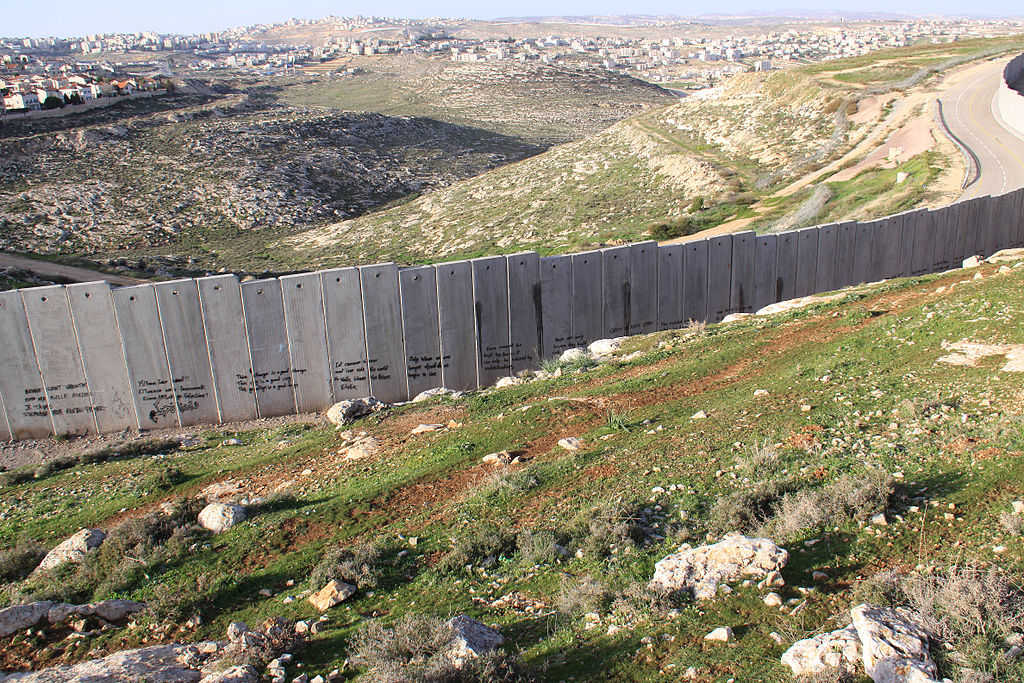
(875, 435)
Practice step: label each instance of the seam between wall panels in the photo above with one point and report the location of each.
(288, 341)
(124, 361)
(81, 359)
(167, 357)
(209, 353)
(248, 351)
(39, 369)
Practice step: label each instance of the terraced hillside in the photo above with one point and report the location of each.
(876, 436)
(769, 151)
(204, 181)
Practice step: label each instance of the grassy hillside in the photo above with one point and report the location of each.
(738, 148)
(854, 415)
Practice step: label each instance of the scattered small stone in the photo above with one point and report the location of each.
(699, 415)
(722, 634)
(332, 594)
(344, 412)
(427, 428)
(218, 517)
(773, 600)
(570, 443)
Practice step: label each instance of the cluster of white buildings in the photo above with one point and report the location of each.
(35, 92)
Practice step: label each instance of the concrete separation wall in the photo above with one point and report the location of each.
(1009, 101)
(86, 358)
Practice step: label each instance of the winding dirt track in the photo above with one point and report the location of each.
(56, 270)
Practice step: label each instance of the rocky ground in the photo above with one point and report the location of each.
(827, 489)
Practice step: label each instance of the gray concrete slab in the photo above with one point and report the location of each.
(924, 235)
(524, 310)
(556, 305)
(220, 298)
(587, 304)
(670, 287)
(960, 232)
(99, 342)
(1007, 212)
(420, 328)
(806, 261)
(263, 307)
(847, 242)
(28, 415)
(862, 254)
(457, 325)
(907, 235)
(346, 335)
(382, 319)
(142, 342)
(643, 287)
(59, 360)
(306, 324)
(719, 277)
(880, 245)
(1018, 232)
(992, 226)
(786, 265)
(617, 288)
(695, 281)
(5, 428)
(891, 235)
(742, 287)
(977, 222)
(181, 319)
(825, 269)
(490, 297)
(945, 235)
(765, 254)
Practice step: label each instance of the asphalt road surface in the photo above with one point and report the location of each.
(968, 109)
(45, 269)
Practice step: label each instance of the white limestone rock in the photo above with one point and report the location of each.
(894, 644)
(700, 570)
(18, 617)
(605, 347)
(73, 549)
(470, 639)
(343, 412)
(218, 517)
(838, 650)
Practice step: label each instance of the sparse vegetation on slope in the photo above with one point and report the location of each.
(843, 431)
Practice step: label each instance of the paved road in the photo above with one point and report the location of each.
(968, 110)
(46, 269)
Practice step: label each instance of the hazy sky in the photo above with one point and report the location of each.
(78, 17)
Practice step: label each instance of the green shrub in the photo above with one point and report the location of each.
(361, 565)
(484, 546)
(19, 561)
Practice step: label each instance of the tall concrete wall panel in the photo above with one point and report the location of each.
(306, 324)
(181, 320)
(142, 342)
(695, 280)
(382, 320)
(643, 288)
(765, 255)
(346, 334)
(862, 248)
(742, 287)
(1018, 221)
(556, 300)
(59, 360)
(587, 305)
(890, 235)
(786, 266)
(959, 219)
(945, 233)
(719, 277)
(825, 269)
(524, 310)
(490, 299)
(263, 306)
(21, 386)
(806, 260)
(457, 325)
(220, 297)
(670, 287)
(420, 328)
(924, 232)
(847, 242)
(99, 342)
(617, 292)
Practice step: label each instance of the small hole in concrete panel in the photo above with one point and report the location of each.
(131, 298)
(337, 279)
(522, 263)
(174, 292)
(298, 285)
(42, 298)
(216, 288)
(452, 273)
(259, 291)
(87, 295)
(377, 275)
(415, 278)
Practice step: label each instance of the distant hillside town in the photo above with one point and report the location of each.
(40, 92)
(336, 44)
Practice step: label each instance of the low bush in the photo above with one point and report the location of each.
(19, 561)
(605, 525)
(578, 596)
(484, 546)
(362, 565)
(415, 649)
